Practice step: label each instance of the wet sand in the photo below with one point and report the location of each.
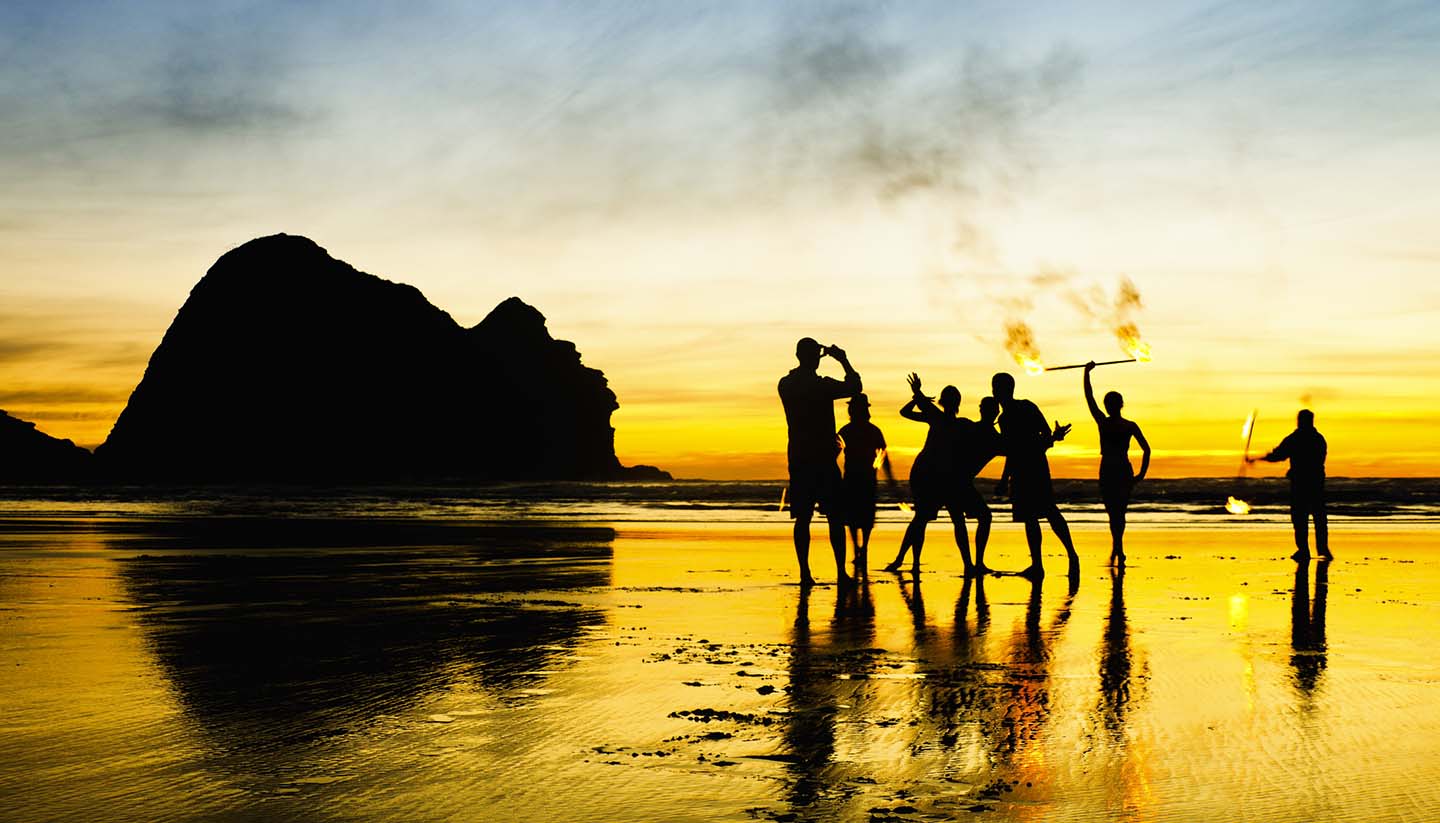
(244, 669)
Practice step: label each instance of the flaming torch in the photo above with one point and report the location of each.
(1129, 336)
(1020, 343)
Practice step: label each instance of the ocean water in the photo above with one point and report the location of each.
(1198, 502)
(639, 652)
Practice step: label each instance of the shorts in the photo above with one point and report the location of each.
(1116, 482)
(1032, 496)
(816, 483)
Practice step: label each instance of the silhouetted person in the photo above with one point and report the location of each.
(809, 402)
(976, 444)
(1307, 629)
(1117, 476)
(1025, 437)
(1116, 660)
(1305, 449)
(933, 477)
(864, 453)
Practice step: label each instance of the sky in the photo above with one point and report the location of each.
(684, 189)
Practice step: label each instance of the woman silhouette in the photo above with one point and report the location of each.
(1117, 477)
(933, 476)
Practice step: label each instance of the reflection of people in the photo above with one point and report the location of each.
(1305, 449)
(1116, 660)
(1307, 628)
(1117, 478)
(809, 402)
(933, 479)
(808, 730)
(1025, 437)
(864, 451)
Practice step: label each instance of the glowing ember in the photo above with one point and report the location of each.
(1235, 505)
(879, 458)
(782, 498)
(905, 507)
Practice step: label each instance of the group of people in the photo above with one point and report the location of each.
(957, 449)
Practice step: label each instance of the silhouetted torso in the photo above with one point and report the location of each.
(937, 457)
(863, 441)
(809, 401)
(1305, 449)
(1115, 437)
(1023, 430)
(976, 444)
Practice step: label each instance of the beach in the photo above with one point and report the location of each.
(222, 665)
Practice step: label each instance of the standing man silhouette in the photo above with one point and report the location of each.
(1025, 436)
(1117, 478)
(1305, 449)
(809, 402)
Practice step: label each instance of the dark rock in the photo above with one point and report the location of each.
(287, 364)
(28, 455)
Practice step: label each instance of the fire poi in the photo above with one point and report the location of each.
(1233, 504)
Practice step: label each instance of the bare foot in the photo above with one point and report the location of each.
(915, 569)
(843, 580)
(807, 581)
(1032, 572)
(1326, 555)
(1300, 556)
(893, 566)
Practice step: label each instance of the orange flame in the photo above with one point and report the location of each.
(1235, 505)
(1020, 343)
(1129, 336)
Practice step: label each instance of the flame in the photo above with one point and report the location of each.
(1020, 343)
(905, 507)
(1235, 505)
(1129, 337)
(879, 458)
(782, 498)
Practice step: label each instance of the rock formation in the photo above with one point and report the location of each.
(287, 364)
(28, 455)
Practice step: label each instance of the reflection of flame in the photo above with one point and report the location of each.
(879, 458)
(1235, 505)
(1129, 336)
(1020, 343)
(905, 507)
(782, 498)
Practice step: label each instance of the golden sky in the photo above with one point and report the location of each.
(685, 192)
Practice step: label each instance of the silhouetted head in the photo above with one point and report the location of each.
(989, 409)
(1002, 385)
(859, 407)
(1114, 403)
(950, 400)
(1305, 419)
(808, 351)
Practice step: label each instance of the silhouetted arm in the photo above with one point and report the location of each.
(852, 384)
(911, 411)
(1282, 452)
(1090, 394)
(1144, 454)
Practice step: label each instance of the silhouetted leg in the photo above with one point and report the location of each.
(862, 553)
(1036, 569)
(962, 541)
(905, 543)
(1300, 520)
(1322, 532)
(802, 547)
(917, 541)
(1116, 516)
(1062, 531)
(837, 544)
(982, 537)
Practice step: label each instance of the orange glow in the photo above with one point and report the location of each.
(1130, 342)
(787, 488)
(879, 458)
(905, 507)
(1235, 505)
